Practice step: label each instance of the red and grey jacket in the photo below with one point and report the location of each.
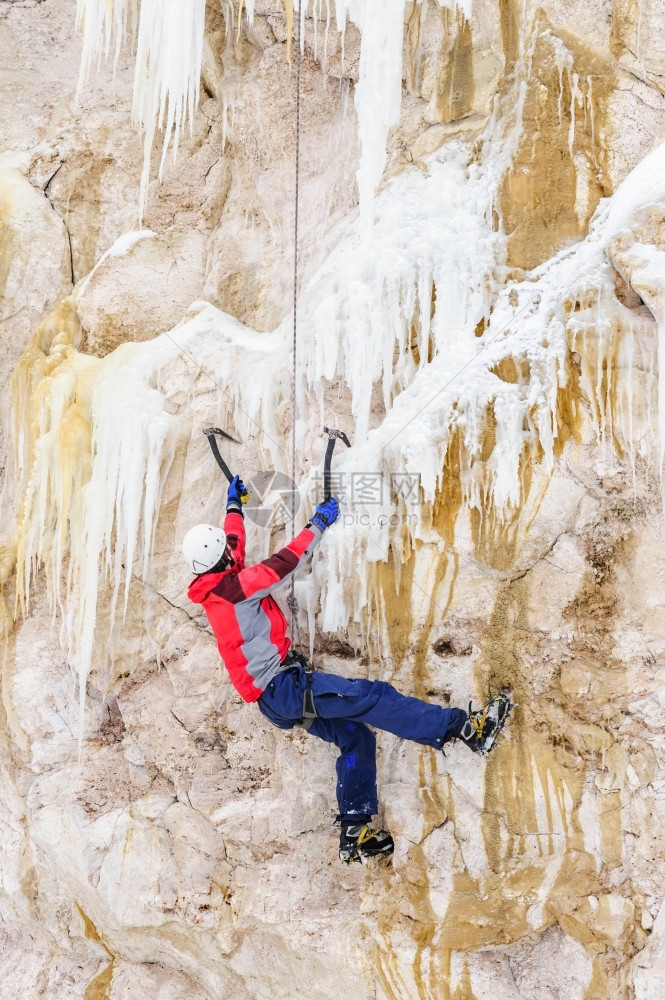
(248, 624)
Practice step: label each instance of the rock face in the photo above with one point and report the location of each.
(500, 335)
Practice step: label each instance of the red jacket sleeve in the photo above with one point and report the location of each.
(257, 581)
(234, 529)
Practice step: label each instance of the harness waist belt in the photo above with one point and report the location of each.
(309, 713)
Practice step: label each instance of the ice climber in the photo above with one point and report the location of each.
(251, 634)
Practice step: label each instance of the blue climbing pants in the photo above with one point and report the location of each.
(344, 710)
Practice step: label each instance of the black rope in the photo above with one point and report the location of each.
(295, 284)
(291, 601)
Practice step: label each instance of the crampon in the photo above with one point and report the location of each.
(361, 842)
(482, 728)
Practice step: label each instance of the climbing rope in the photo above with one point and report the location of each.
(291, 600)
(295, 284)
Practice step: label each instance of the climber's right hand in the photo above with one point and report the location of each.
(325, 514)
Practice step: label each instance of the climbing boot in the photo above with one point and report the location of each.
(481, 729)
(358, 843)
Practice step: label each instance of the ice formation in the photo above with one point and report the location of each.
(452, 402)
(378, 94)
(472, 371)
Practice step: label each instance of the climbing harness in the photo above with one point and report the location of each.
(210, 433)
(295, 657)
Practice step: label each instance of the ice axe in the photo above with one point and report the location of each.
(210, 433)
(333, 437)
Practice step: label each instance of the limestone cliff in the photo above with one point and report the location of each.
(482, 308)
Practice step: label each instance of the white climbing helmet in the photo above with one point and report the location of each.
(203, 546)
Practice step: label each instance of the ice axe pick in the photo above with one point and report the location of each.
(210, 433)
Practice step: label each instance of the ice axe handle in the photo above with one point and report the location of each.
(210, 434)
(333, 435)
(326, 469)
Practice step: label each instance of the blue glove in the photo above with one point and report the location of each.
(237, 490)
(325, 514)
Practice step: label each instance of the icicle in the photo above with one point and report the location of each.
(630, 350)
(325, 41)
(378, 92)
(101, 21)
(560, 99)
(167, 74)
(575, 94)
(466, 6)
(589, 80)
(648, 279)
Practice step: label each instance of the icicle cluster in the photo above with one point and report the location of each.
(168, 68)
(168, 63)
(94, 443)
(380, 310)
(506, 384)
